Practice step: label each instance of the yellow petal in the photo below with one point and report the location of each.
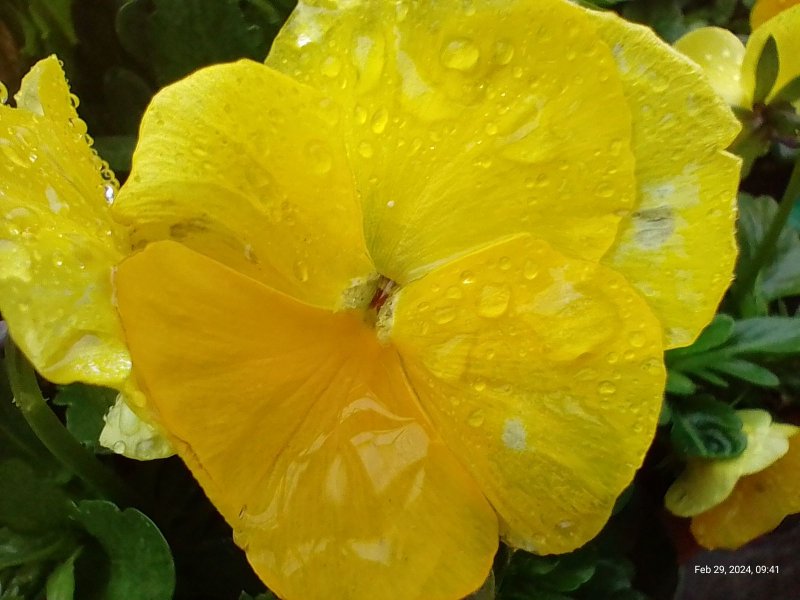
(304, 433)
(126, 433)
(784, 27)
(757, 505)
(58, 243)
(543, 374)
(719, 53)
(469, 124)
(247, 167)
(677, 247)
(705, 483)
(764, 10)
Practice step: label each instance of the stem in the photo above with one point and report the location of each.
(49, 429)
(767, 247)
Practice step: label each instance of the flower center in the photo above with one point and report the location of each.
(372, 298)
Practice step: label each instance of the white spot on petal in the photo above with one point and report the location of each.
(515, 437)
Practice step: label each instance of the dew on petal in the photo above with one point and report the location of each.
(460, 54)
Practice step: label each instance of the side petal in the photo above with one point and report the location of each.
(543, 374)
(246, 166)
(677, 247)
(719, 53)
(784, 28)
(515, 106)
(758, 504)
(58, 243)
(304, 433)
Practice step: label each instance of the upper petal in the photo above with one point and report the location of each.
(677, 247)
(543, 374)
(244, 165)
(58, 243)
(720, 54)
(304, 433)
(784, 27)
(466, 124)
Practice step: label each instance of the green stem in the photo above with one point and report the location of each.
(766, 249)
(52, 433)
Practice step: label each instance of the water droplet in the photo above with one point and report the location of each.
(460, 54)
(365, 149)
(467, 277)
(360, 114)
(390, 204)
(503, 53)
(479, 385)
(530, 270)
(454, 292)
(564, 524)
(423, 306)
(637, 339)
(331, 67)
(3, 93)
(119, 447)
(379, 120)
(612, 358)
(444, 315)
(476, 418)
(74, 100)
(604, 190)
(321, 160)
(517, 73)
(607, 388)
(301, 271)
(504, 263)
(493, 301)
(109, 193)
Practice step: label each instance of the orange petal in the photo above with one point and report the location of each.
(304, 433)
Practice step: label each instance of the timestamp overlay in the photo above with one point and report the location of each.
(735, 569)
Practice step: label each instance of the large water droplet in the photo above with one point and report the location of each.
(460, 54)
(493, 301)
(637, 339)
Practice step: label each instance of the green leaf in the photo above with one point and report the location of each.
(61, 582)
(706, 428)
(767, 335)
(780, 277)
(86, 407)
(766, 70)
(713, 336)
(20, 548)
(790, 92)
(28, 502)
(141, 566)
(679, 384)
(166, 38)
(747, 371)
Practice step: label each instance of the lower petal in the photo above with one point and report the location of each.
(304, 433)
(543, 374)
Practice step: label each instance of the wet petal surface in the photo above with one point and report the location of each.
(304, 433)
(247, 167)
(515, 106)
(58, 243)
(677, 247)
(519, 353)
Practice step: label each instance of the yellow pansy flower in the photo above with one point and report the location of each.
(764, 10)
(734, 501)
(731, 67)
(407, 287)
(58, 246)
